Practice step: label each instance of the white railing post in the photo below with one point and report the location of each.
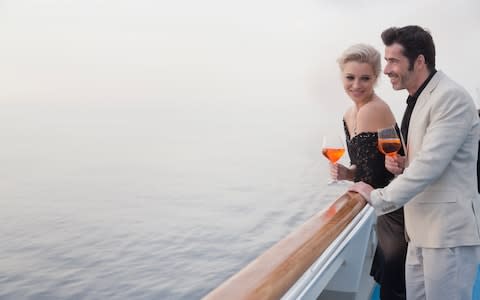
(343, 265)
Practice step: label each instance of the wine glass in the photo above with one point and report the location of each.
(332, 149)
(388, 141)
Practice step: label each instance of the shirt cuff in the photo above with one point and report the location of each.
(378, 201)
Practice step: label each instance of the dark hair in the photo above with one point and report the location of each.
(415, 41)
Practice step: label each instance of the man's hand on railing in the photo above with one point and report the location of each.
(363, 189)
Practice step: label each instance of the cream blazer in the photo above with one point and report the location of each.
(438, 188)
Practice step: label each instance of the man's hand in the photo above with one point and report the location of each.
(363, 189)
(395, 164)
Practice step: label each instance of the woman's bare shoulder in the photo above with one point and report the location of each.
(375, 114)
(378, 103)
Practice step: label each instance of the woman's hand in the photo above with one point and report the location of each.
(340, 172)
(395, 164)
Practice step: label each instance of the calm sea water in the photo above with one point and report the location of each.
(106, 201)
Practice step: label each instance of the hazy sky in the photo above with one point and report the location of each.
(254, 51)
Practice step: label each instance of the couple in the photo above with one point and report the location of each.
(434, 188)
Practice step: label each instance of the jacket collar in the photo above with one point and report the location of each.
(428, 90)
(425, 95)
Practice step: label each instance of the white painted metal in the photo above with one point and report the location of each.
(343, 268)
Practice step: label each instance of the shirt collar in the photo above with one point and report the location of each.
(413, 99)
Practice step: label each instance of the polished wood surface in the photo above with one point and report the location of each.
(271, 274)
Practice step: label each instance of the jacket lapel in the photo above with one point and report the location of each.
(423, 100)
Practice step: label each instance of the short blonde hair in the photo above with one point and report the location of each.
(361, 53)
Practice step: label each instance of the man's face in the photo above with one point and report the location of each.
(397, 67)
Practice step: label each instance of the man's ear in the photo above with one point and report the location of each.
(420, 61)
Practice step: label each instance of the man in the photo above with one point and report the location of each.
(437, 180)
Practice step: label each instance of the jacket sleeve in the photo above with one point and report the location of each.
(451, 117)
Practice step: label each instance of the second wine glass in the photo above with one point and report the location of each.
(388, 141)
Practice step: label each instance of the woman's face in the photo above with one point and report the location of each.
(358, 81)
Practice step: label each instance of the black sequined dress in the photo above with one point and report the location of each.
(388, 268)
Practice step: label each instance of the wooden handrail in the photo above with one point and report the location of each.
(271, 274)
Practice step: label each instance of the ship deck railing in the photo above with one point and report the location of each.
(327, 257)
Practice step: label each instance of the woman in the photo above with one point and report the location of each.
(360, 66)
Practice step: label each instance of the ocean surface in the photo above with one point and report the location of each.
(105, 201)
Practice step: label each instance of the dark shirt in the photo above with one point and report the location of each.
(411, 101)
